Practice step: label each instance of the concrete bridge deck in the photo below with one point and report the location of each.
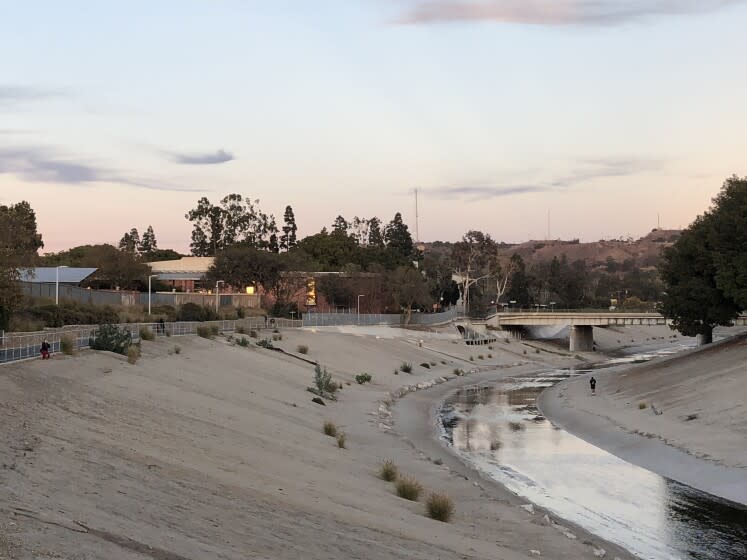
(581, 323)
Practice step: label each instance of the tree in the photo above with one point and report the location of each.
(340, 226)
(728, 237)
(409, 290)
(475, 258)
(703, 272)
(130, 241)
(19, 246)
(288, 239)
(163, 255)
(148, 243)
(360, 228)
(235, 220)
(375, 237)
(116, 269)
(398, 238)
(520, 282)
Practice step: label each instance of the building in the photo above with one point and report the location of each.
(185, 275)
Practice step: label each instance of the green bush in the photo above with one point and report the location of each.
(409, 489)
(253, 333)
(243, 341)
(70, 313)
(193, 312)
(67, 346)
(276, 337)
(426, 365)
(439, 507)
(323, 384)
(363, 378)
(204, 332)
(265, 343)
(388, 471)
(146, 334)
(302, 349)
(406, 367)
(112, 339)
(214, 330)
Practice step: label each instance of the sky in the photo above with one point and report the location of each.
(608, 116)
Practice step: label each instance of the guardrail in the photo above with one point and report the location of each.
(22, 346)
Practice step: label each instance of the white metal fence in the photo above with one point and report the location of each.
(21, 346)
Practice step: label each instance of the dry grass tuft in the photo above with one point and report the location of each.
(642, 405)
(329, 429)
(133, 353)
(440, 507)
(388, 471)
(302, 349)
(409, 488)
(341, 440)
(67, 346)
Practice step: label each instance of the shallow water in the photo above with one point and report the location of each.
(499, 430)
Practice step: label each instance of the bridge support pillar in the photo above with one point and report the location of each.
(582, 338)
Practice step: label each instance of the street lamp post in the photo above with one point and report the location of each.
(217, 294)
(359, 307)
(149, 290)
(57, 285)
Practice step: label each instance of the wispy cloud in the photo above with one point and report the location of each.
(11, 95)
(588, 170)
(47, 165)
(209, 158)
(553, 12)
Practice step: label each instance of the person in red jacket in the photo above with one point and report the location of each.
(45, 350)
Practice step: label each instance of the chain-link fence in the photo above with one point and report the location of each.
(311, 319)
(22, 346)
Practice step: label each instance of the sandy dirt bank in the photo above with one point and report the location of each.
(684, 417)
(217, 452)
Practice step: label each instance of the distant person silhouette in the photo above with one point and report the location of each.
(593, 383)
(45, 350)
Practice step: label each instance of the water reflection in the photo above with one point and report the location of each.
(499, 429)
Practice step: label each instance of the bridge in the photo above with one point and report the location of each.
(582, 323)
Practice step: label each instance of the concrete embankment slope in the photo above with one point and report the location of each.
(684, 418)
(216, 451)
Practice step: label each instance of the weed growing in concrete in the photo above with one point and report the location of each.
(253, 334)
(67, 346)
(302, 349)
(341, 440)
(516, 426)
(133, 353)
(426, 365)
(642, 405)
(439, 507)
(329, 429)
(406, 367)
(177, 349)
(409, 488)
(363, 378)
(243, 341)
(388, 471)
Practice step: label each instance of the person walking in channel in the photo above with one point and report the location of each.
(593, 383)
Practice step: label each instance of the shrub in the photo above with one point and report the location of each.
(67, 346)
(642, 405)
(177, 349)
(323, 384)
(329, 429)
(440, 507)
(363, 378)
(516, 426)
(277, 337)
(341, 440)
(146, 334)
(396, 371)
(490, 356)
(214, 330)
(265, 343)
(112, 339)
(388, 471)
(243, 341)
(133, 353)
(443, 362)
(471, 358)
(191, 312)
(253, 333)
(240, 312)
(426, 365)
(406, 367)
(302, 349)
(480, 357)
(409, 488)
(204, 332)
